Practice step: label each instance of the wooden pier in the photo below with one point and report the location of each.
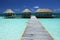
(35, 31)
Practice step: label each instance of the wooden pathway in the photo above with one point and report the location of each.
(35, 31)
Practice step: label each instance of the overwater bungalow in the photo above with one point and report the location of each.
(26, 13)
(10, 13)
(43, 13)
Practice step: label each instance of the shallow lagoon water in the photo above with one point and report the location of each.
(52, 25)
(12, 29)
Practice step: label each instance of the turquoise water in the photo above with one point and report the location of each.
(12, 29)
(53, 26)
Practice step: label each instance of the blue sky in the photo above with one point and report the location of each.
(19, 5)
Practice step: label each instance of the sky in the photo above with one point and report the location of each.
(19, 5)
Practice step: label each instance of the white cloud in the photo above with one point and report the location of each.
(59, 9)
(36, 7)
(17, 9)
(56, 10)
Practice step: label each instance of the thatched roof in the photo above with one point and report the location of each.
(9, 11)
(44, 10)
(26, 10)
